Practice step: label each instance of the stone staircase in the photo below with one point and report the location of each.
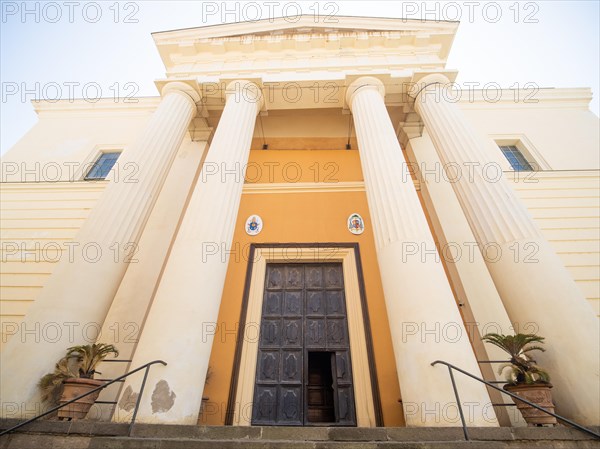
(103, 435)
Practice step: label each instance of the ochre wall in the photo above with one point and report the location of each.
(303, 218)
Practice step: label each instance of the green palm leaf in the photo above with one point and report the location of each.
(80, 361)
(518, 347)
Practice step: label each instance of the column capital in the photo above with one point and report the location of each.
(428, 80)
(246, 90)
(361, 84)
(181, 88)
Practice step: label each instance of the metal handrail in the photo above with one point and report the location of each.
(101, 387)
(514, 396)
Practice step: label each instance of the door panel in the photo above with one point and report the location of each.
(290, 409)
(304, 317)
(345, 405)
(291, 367)
(264, 409)
(315, 303)
(335, 303)
(270, 333)
(269, 367)
(337, 333)
(292, 303)
(272, 304)
(292, 333)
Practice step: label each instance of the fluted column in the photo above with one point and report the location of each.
(76, 298)
(423, 316)
(181, 323)
(531, 279)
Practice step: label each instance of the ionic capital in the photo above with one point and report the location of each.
(360, 85)
(424, 83)
(182, 89)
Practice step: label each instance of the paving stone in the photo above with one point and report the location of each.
(549, 433)
(425, 433)
(230, 432)
(125, 443)
(165, 431)
(6, 423)
(295, 433)
(110, 428)
(43, 441)
(42, 425)
(4, 441)
(490, 433)
(358, 434)
(81, 427)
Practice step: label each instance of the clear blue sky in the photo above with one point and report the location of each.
(56, 48)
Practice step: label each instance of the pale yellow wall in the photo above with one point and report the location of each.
(566, 205)
(558, 126)
(70, 136)
(44, 200)
(562, 134)
(37, 219)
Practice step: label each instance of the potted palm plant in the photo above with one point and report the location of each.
(73, 376)
(524, 377)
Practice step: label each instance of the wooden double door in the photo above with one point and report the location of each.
(303, 372)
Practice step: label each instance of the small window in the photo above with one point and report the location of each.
(515, 158)
(102, 166)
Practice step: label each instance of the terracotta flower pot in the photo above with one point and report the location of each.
(76, 386)
(539, 394)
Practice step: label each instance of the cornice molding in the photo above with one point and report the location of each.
(307, 187)
(58, 185)
(304, 187)
(555, 97)
(534, 177)
(273, 26)
(137, 105)
(578, 97)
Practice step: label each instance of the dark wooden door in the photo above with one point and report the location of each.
(303, 371)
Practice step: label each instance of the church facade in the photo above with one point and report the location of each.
(306, 218)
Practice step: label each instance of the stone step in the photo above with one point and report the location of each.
(184, 443)
(97, 435)
(42, 441)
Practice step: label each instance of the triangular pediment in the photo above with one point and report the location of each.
(303, 33)
(307, 24)
(290, 48)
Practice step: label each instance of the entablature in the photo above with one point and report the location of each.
(279, 45)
